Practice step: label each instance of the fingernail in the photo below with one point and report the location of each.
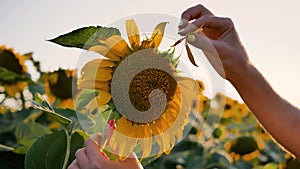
(191, 38)
(112, 124)
(181, 30)
(180, 23)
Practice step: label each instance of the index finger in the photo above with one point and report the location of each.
(192, 13)
(92, 147)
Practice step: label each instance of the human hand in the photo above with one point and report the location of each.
(91, 157)
(218, 39)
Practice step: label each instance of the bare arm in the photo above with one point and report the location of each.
(279, 118)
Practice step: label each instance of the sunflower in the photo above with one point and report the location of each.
(58, 87)
(232, 108)
(145, 89)
(14, 62)
(244, 147)
(203, 100)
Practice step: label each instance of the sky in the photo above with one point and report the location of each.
(269, 30)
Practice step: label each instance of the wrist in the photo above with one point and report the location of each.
(241, 73)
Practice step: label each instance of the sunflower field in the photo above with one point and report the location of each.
(40, 126)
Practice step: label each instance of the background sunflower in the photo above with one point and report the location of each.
(59, 87)
(15, 63)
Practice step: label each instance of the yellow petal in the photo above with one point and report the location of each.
(179, 134)
(166, 142)
(117, 45)
(158, 34)
(146, 44)
(122, 139)
(125, 127)
(144, 135)
(102, 74)
(171, 115)
(159, 126)
(175, 104)
(103, 97)
(133, 34)
(104, 51)
(92, 84)
(96, 63)
(122, 145)
(126, 147)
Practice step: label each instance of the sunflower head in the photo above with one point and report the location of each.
(140, 88)
(247, 148)
(59, 86)
(12, 61)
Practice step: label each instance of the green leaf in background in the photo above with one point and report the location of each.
(9, 121)
(7, 77)
(27, 133)
(85, 37)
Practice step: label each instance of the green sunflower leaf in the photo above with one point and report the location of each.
(51, 151)
(47, 152)
(85, 37)
(77, 142)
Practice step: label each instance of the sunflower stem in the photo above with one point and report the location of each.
(68, 149)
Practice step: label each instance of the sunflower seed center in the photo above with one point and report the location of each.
(142, 85)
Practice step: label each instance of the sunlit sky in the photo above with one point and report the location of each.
(269, 29)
